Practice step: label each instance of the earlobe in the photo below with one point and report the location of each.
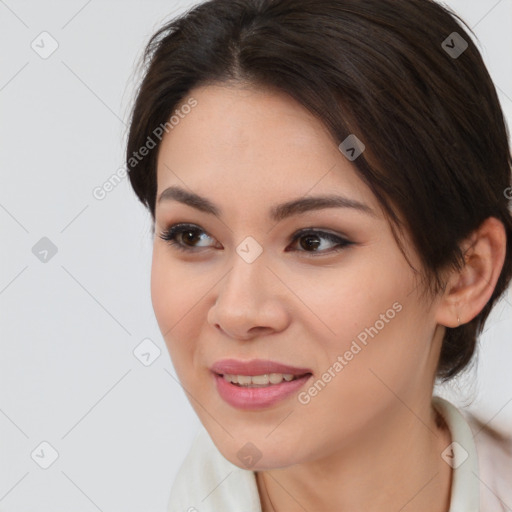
(469, 290)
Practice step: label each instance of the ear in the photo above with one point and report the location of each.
(468, 291)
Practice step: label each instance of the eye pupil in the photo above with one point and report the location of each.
(312, 242)
(189, 235)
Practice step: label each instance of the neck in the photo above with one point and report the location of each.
(397, 466)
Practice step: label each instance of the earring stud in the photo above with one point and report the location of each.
(458, 320)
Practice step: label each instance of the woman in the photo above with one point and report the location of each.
(328, 183)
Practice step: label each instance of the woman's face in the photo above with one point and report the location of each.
(339, 305)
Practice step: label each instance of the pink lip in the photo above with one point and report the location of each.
(258, 397)
(254, 367)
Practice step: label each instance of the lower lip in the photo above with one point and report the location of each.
(257, 398)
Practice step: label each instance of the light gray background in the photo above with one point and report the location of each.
(68, 327)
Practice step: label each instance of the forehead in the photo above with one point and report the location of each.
(259, 140)
(244, 117)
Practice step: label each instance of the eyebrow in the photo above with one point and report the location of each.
(277, 213)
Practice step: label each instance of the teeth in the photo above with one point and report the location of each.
(259, 380)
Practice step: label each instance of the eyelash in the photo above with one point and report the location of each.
(170, 235)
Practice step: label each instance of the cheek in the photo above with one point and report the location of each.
(375, 359)
(171, 298)
(374, 323)
(177, 295)
(162, 291)
(345, 301)
(173, 292)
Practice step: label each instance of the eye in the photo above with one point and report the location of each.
(173, 236)
(312, 240)
(185, 236)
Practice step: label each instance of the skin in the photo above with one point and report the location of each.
(368, 440)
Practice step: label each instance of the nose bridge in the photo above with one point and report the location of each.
(247, 298)
(247, 277)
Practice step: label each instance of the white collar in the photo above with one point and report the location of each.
(465, 495)
(207, 482)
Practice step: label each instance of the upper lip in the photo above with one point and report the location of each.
(255, 367)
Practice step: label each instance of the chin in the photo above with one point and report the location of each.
(257, 456)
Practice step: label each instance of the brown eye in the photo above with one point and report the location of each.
(184, 236)
(310, 241)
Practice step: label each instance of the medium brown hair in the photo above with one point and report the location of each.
(437, 154)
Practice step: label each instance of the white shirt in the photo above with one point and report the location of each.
(482, 473)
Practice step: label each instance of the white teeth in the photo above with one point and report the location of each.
(244, 380)
(259, 380)
(276, 378)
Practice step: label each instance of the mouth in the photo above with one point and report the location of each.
(257, 384)
(261, 381)
(257, 368)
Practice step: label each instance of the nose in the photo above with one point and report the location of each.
(250, 302)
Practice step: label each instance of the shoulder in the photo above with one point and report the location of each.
(208, 482)
(494, 450)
